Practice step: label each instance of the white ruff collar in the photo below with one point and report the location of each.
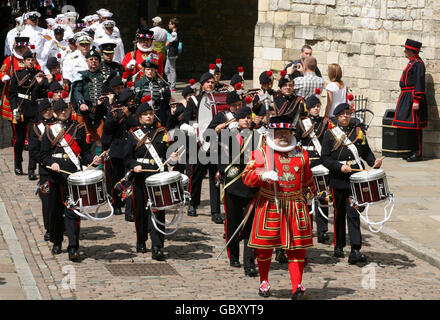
(273, 146)
(143, 49)
(17, 55)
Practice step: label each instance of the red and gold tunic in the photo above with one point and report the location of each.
(291, 228)
(157, 58)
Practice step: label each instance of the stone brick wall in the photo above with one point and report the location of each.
(365, 37)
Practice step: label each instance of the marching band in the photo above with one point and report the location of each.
(84, 108)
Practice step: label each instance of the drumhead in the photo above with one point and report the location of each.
(365, 176)
(163, 178)
(320, 170)
(85, 177)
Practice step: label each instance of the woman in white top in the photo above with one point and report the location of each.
(336, 89)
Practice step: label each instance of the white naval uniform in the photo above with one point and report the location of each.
(72, 64)
(51, 49)
(99, 31)
(10, 40)
(36, 38)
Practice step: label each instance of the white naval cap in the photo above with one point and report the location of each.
(157, 19)
(32, 14)
(87, 19)
(84, 38)
(71, 14)
(50, 21)
(106, 14)
(19, 20)
(101, 10)
(60, 16)
(108, 24)
(95, 17)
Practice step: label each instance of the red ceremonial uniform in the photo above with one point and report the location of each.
(156, 57)
(412, 86)
(9, 69)
(291, 228)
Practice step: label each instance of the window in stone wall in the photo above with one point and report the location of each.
(176, 6)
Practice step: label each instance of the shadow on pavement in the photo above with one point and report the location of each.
(314, 293)
(96, 233)
(188, 234)
(108, 252)
(189, 252)
(2, 281)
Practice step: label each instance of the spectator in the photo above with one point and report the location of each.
(336, 89)
(292, 68)
(306, 86)
(172, 54)
(160, 36)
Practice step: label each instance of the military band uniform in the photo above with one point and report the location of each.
(137, 151)
(23, 95)
(335, 153)
(319, 126)
(63, 218)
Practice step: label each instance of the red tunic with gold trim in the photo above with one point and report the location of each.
(412, 86)
(8, 69)
(157, 58)
(291, 228)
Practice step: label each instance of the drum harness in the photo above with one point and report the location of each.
(340, 135)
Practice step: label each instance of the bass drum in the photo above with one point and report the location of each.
(209, 106)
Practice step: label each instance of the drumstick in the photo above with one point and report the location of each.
(227, 123)
(358, 169)
(63, 171)
(381, 158)
(94, 160)
(163, 164)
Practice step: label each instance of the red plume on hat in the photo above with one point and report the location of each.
(125, 75)
(248, 101)
(212, 68)
(64, 94)
(32, 46)
(59, 55)
(238, 88)
(240, 71)
(192, 83)
(350, 97)
(146, 99)
(318, 91)
(50, 95)
(269, 73)
(58, 77)
(283, 74)
(130, 84)
(218, 63)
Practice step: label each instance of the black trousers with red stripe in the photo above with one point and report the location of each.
(46, 205)
(21, 128)
(344, 211)
(62, 218)
(236, 208)
(142, 215)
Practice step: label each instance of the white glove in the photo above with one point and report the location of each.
(131, 64)
(6, 78)
(190, 131)
(16, 114)
(270, 175)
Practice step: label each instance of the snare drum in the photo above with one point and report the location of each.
(165, 190)
(369, 187)
(320, 174)
(87, 188)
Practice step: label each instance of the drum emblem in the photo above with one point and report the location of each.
(173, 195)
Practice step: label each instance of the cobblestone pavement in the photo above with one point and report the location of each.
(191, 252)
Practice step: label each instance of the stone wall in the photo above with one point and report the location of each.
(365, 37)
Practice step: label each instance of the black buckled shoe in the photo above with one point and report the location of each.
(251, 272)
(32, 175)
(141, 247)
(74, 255)
(299, 294)
(158, 254)
(414, 157)
(217, 218)
(129, 217)
(338, 253)
(56, 249)
(117, 211)
(280, 256)
(192, 211)
(356, 256)
(46, 236)
(18, 170)
(323, 237)
(235, 263)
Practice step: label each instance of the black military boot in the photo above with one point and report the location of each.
(158, 254)
(338, 252)
(356, 256)
(141, 247)
(216, 218)
(192, 211)
(56, 249)
(74, 255)
(323, 237)
(18, 169)
(32, 175)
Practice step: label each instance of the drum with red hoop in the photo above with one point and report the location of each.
(369, 187)
(165, 190)
(209, 106)
(320, 174)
